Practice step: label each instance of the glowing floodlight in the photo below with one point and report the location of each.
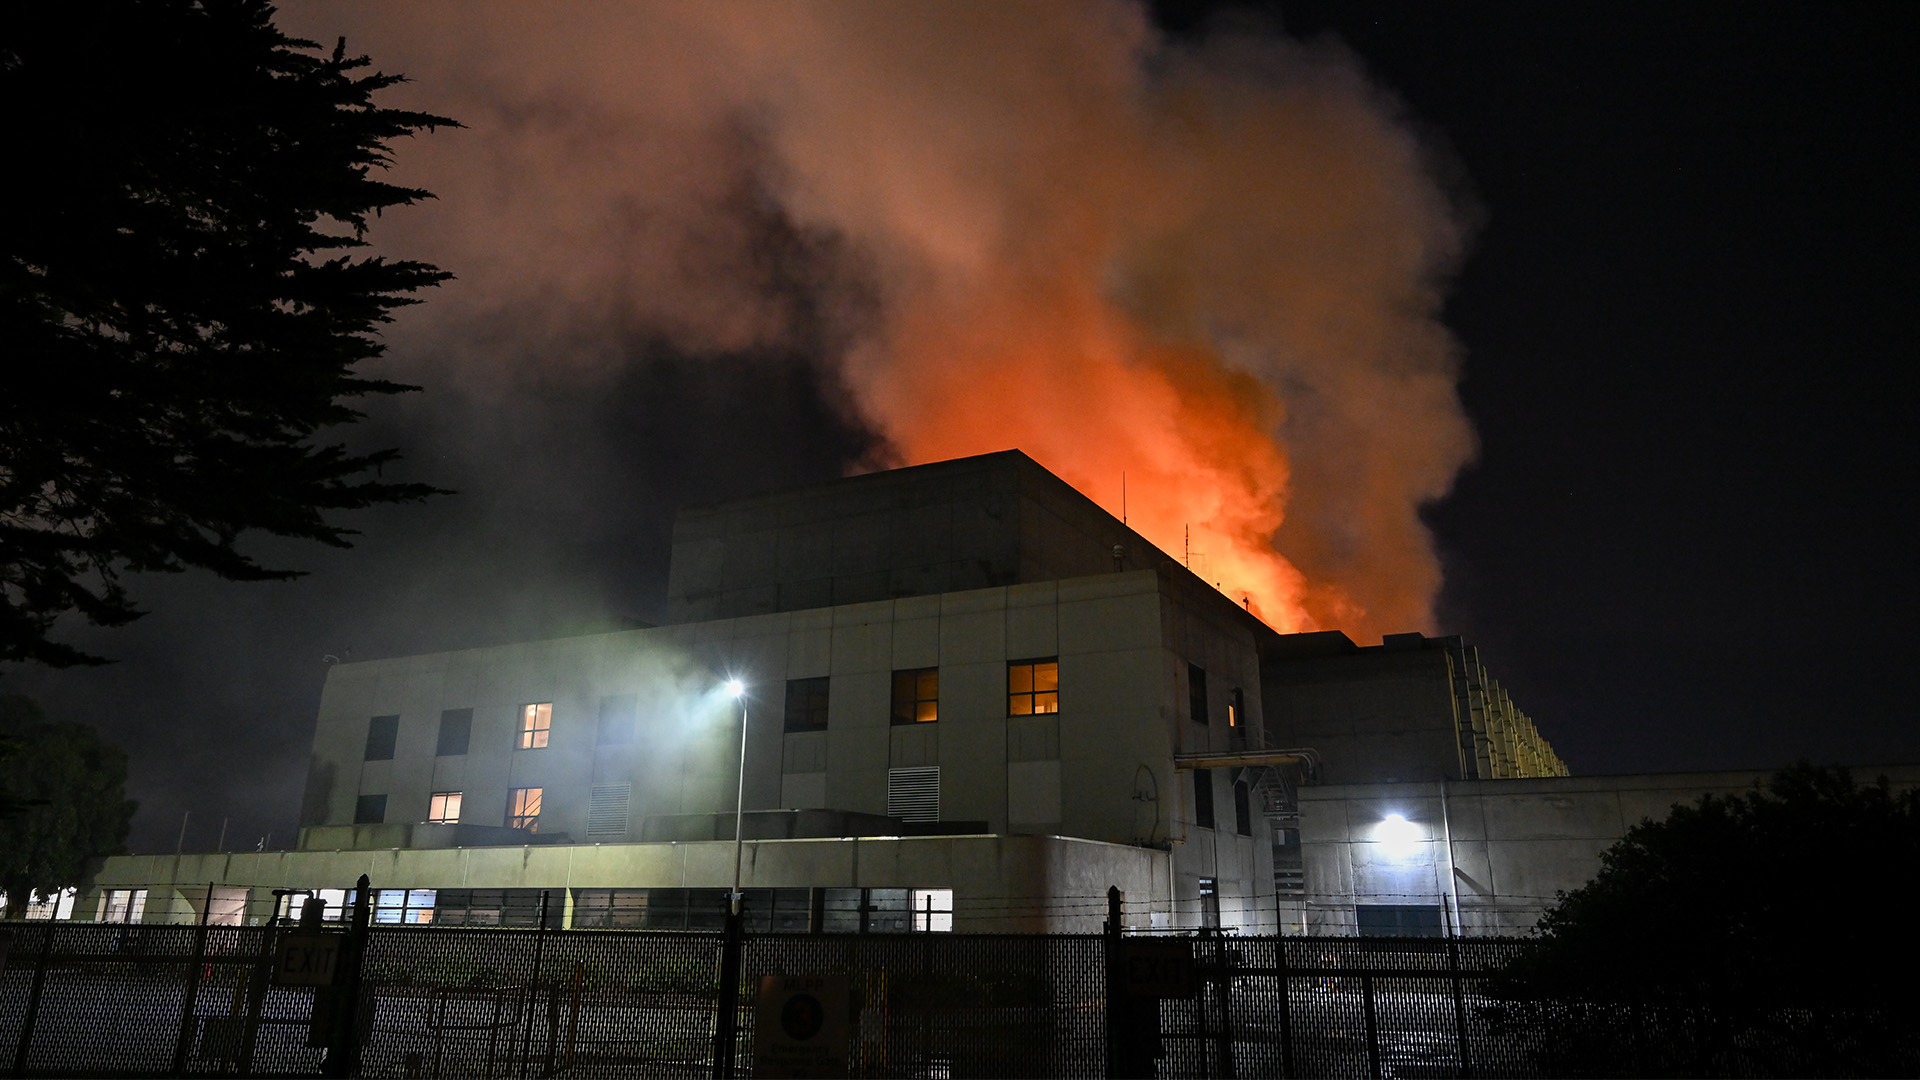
(735, 687)
(1398, 837)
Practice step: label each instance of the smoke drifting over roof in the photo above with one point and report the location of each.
(1213, 268)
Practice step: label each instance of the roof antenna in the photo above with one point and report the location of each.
(1123, 496)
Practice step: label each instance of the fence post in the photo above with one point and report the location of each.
(190, 997)
(1112, 953)
(533, 986)
(33, 1000)
(573, 1019)
(1224, 988)
(725, 1024)
(257, 998)
(926, 987)
(1286, 1006)
(343, 1047)
(1373, 1026)
(1459, 1006)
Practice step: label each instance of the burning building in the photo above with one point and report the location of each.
(971, 699)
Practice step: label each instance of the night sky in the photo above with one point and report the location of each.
(1683, 542)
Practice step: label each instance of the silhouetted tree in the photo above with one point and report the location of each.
(1761, 934)
(1793, 893)
(180, 308)
(70, 803)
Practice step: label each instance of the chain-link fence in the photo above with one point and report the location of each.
(130, 999)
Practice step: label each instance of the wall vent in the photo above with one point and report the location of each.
(607, 806)
(914, 794)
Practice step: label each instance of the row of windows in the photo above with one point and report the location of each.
(1033, 687)
(803, 910)
(913, 794)
(443, 808)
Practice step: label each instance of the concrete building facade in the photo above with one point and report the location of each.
(969, 691)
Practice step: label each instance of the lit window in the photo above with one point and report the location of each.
(1209, 902)
(1236, 708)
(807, 704)
(933, 910)
(123, 905)
(535, 723)
(444, 808)
(523, 808)
(1033, 686)
(394, 907)
(916, 696)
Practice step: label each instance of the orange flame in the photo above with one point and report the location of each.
(1077, 387)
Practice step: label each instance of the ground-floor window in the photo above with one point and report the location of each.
(1397, 920)
(798, 911)
(58, 906)
(123, 905)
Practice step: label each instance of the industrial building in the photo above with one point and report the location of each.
(973, 700)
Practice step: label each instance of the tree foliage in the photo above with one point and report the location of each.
(1786, 896)
(68, 791)
(181, 300)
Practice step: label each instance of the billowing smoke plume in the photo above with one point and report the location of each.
(1215, 268)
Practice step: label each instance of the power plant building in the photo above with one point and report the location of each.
(974, 700)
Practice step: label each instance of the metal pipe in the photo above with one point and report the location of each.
(1453, 881)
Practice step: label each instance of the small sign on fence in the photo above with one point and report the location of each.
(307, 959)
(800, 1026)
(1157, 967)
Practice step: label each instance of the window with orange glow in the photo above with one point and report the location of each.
(535, 722)
(444, 808)
(1033, 686)
(523, 808)
(916, 696)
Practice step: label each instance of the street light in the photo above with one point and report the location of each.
(738, 690)
(733, 938)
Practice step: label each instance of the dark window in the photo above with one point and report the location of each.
(1033, 686)
(617, 715)
(1203, 798)
(1398, 920)
(1197, 693)
(868, 911)
(496, 907)
(916, 696)
(807, 704)
(456, 727)
(370, 810)
(1242, 810)
(382, 733)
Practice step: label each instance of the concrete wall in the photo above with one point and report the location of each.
(1073, 772)
(1101, 768)
(1000, 883)
(1514, 843)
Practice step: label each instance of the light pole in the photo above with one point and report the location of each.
(733, 939)
(739, 692)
